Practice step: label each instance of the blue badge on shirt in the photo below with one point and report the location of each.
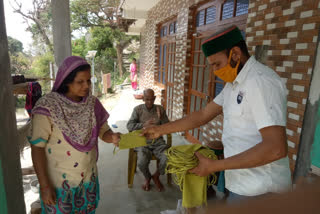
(240, 97)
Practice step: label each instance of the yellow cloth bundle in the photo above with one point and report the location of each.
(193, 187)
(131, 140)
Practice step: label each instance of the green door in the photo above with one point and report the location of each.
(3, 200)
(315, 151)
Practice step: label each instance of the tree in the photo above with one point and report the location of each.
(40, 68)
(99, 13)
(40, 18)
(121, 41)
(14, 46)
(19, 62)
(102, 41)
(106, 15)
(79, 47)
(40, 65)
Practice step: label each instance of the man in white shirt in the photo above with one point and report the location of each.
(253, 102)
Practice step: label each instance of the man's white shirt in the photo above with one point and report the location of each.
(255, 100)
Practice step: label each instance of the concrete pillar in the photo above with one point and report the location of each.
(310, 121)
(61, 30)
(11, 194)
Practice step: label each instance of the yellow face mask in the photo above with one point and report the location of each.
(228, 73)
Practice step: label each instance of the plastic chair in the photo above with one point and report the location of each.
(132, 163)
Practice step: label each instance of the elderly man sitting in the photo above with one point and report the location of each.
(144, 115)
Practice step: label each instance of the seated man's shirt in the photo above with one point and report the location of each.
(141, 114)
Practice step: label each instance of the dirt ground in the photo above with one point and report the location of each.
(109, 101)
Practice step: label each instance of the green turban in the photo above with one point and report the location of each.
(222, 40)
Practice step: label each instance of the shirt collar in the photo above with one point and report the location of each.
(149, 110)
(244, 71)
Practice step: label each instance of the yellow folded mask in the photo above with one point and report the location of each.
(131, 140)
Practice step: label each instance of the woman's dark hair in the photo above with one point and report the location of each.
(134, 59)
(63, 88)
(243, 47)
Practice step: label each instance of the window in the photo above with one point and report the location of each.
(206, 16)
(163, 31)
(232, 8)
(160, 64)
(200, 18)
(167, 38)
(242, 7)
(164, 61)
(172, 28)
(227, 9)
(211, 15)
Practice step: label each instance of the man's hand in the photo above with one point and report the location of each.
(116, 138)
(151, 132)
(204, 166)
(48, 195)
(149, 123)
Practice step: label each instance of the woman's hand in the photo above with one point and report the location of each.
(111, 137)
(48, 195)
(39, 160)
(116, 138)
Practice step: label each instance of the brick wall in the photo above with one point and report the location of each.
(284, 33)
(289, 32)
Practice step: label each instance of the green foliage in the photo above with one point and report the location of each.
(91, 13)
(41, 68)
(20, 63)
(40, 65)
(20, 101)
(134, 54)
(105, 62)
(79, 47)
(15, 46)
(117, 80)
(101, 39)
(122, 38)
(105, 36)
